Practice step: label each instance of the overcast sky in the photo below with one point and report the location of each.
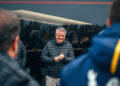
(93, 13)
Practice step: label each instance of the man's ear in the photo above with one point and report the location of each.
(15, 45)
(108, 22)
(12, 52)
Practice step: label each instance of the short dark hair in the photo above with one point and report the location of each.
(114, 13)
(9, 29)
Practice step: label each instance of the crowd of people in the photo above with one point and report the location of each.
(98, 67)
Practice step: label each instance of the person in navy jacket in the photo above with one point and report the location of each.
(101, 65)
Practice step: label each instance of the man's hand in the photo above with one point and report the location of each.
(56, 59)
(61, 56)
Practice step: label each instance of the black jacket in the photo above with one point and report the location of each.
(12, 75)
(21, 56)
(51, 50)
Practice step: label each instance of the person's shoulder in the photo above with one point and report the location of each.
(50, 41)
(67, 42)
(12, 69)
(20, 76)
(74, 65)
(11, 66)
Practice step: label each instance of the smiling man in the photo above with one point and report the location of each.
(56, 54)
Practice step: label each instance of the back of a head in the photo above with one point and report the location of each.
(35, 35)
(114, 13)
(36, 39)
(9, 29)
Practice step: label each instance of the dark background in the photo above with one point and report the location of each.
(93, 13)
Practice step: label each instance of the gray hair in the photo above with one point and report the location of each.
(61, 29)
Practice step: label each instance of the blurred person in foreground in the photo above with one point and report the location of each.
(10, 73)
(56, 54)
(101, 65)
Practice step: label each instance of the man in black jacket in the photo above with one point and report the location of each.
(56, 54)
(10, 72)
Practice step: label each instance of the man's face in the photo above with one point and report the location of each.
(60, 37)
